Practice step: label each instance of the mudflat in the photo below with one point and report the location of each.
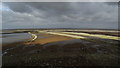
(58, 50)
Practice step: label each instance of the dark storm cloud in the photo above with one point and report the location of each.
(60, 14)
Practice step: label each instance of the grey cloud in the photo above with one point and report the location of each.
(17, 7)
(112, 3)
(60, 15)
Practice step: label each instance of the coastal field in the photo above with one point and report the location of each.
(60, 47)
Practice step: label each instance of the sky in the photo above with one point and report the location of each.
(100, 15)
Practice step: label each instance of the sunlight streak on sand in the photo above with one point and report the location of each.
(73, 36)
(94, 35)
(83, 34)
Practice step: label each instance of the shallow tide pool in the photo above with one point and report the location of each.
(14, 37)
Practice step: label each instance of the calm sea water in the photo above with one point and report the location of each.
(15, 37)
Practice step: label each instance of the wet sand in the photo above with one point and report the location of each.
(50, 38)
(55, 50)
